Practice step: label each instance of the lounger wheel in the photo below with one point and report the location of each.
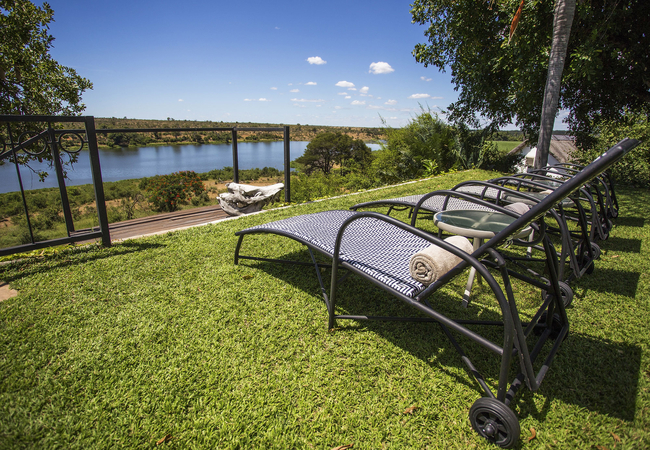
(595, 249)
(565, 291)
(495, 421)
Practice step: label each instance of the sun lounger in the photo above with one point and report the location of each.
(378, 249)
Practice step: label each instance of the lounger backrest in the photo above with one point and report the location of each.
(588, 173)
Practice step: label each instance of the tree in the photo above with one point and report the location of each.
(605, 69)
(31, 82)
(329, 148)
(562, 20)
(426, 142)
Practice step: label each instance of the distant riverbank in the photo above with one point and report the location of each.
(133, 163)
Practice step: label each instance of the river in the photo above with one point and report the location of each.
(127, 163)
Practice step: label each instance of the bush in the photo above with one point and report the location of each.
(425, 138)
(305, 188)
(167, 192)
(495, 159)
(634, 169)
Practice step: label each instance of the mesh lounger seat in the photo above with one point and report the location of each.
(376, 248)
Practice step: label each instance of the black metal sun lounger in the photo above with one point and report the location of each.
(377, 248)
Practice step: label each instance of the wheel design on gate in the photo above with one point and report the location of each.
(495, 421)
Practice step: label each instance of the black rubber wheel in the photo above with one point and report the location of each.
(565, 290)
(595, 249)
(495, 421)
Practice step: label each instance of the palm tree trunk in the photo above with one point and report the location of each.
(562, 20)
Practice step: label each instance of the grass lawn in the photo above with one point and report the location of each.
(506, 146)
(164, 340)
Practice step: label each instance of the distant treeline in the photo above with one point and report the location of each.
(298, 132)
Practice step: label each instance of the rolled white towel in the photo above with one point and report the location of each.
(429, 264)
(518, 208)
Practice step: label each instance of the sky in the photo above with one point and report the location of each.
(341, 63)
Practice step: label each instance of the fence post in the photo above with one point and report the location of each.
(235, 158)
(287, 165)
(98, 184)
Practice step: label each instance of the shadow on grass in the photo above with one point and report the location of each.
(618, 244)
(71, 257)
(626, 282)
(596, 374)
(591, 373)
(629, 221)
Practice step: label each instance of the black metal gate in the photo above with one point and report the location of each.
(45, 137)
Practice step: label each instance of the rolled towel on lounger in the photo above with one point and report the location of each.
(518, 208)
(427, 265)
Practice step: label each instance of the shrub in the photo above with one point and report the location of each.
(497, 160)
(634, 169)
(167, 192)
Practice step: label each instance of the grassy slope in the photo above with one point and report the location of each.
(160, 336)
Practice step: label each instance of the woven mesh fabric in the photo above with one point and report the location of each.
(480, 191)
(377, 248)
(435, 203)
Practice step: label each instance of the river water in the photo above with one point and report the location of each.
(127, 163)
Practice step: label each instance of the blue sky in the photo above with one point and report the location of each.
(342, 63)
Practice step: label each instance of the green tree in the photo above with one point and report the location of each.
(329, 148)
(605, 70)
(635, 168)
(426, 142)
(31, 82)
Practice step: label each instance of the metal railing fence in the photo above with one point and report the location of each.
(25, 137)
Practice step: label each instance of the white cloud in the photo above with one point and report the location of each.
(391, 102)
(425, 79)
(381, 67)
(348, 96)
(364, 90)
(294, 90)
(310, 83)
(345, 84)
(358, 102)
(352, 89)
(256, 100)
(342, 93)
(316, 60)
(264, 100)
(274, 89)
(420, 96)
(248, 100)
(306, 100)
(180, 99)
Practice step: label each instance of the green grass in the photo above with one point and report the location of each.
(506, 146)
(119, 347)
